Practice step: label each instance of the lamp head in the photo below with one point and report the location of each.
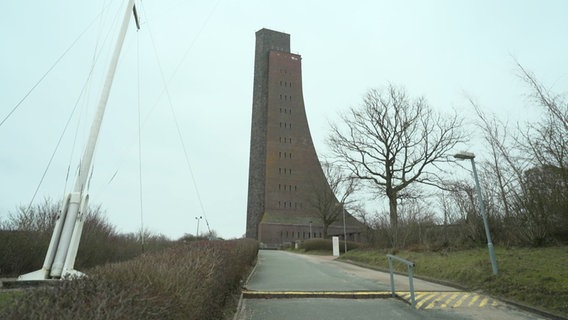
(463, 155)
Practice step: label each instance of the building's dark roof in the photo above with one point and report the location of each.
(279, 217)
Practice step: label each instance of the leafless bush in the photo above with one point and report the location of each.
(526, 171)
(188, 281)
(40, 218)
(25, 237)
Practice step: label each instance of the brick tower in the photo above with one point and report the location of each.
(283, 165)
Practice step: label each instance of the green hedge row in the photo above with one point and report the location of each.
(327, 245)
(189, 281)
(24, 251)
(26, 233)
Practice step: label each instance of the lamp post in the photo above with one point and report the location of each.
(471, 156)
(310, 229)
(344, 230)
(197, 231)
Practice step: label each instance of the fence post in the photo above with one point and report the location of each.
(411, 284)
(391, 276)
(410, 265)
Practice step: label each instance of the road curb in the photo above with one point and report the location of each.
(519, 305)
(437, 281)
(243, 288)
(249, 294)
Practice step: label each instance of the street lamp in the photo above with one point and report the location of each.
(310, 229)
(470, 156)
(344, 231)
(197, 231)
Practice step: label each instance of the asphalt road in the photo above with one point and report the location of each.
(287, 280)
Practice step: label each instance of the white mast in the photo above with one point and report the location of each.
(60, 258)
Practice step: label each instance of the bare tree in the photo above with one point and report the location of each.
(547, 140)
(527, 168)
(393, 142)
(369, 221)
(546, 184)
(330, 197)
(38, 218)
(503, 166)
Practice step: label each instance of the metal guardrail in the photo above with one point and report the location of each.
(410, 265)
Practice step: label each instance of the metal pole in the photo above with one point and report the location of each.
(310, 230)
(344, 231)
(391, 276)
(411, 284)
(197, 231)
(74, 219)
(485, 224)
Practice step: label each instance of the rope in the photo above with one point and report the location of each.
(49, 70)
(59, 143)
(139, 140)
(170, 104)
(81, 94)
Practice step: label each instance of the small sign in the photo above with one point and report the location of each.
(335, 241)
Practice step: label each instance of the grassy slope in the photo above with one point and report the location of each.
(536, 277)
(6, 297)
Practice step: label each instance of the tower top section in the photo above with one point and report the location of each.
(267, 40)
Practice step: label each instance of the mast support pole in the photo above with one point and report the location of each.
(60, 258)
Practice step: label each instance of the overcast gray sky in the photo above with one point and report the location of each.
(444, 50)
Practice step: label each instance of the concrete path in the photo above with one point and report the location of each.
(285, 285)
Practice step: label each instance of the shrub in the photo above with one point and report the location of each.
(188, 281)
(21, 251)
(26, 235)
(327, 245)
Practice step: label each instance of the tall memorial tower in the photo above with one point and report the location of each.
(283, 165)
